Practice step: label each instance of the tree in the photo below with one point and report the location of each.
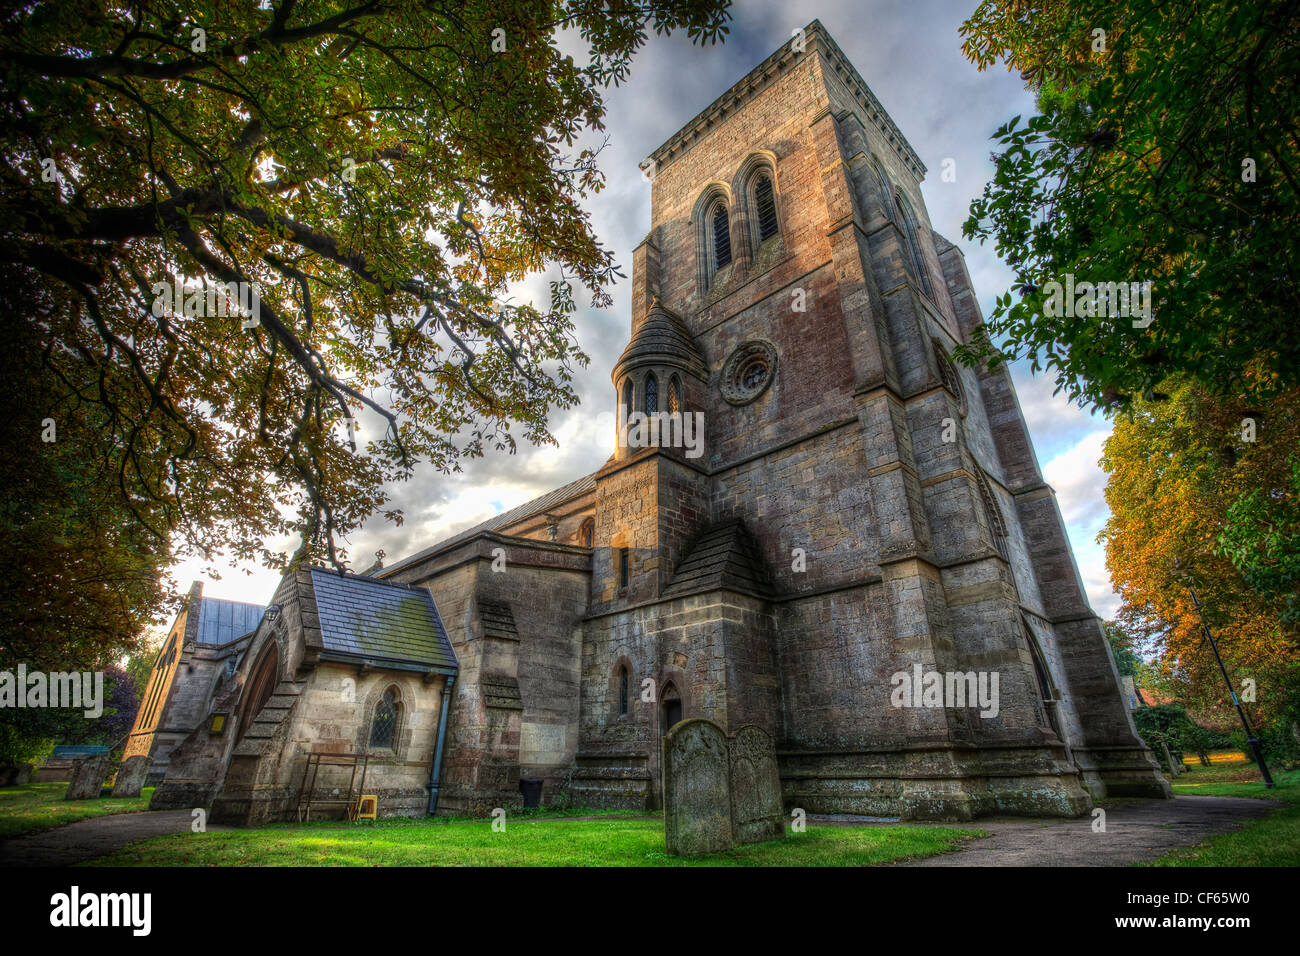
(82, 577)
(352, 191)
(139, 665)
(1170, 725)
(1262, 539)
(1176, 469)
(1127, 661)
(120, 705)
(30, 733)
(383, 171)
(1165, 150)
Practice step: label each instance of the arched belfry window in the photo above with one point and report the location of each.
(383, 726)
(721, 227)
(674, 395)
(711, 220)
(587, 533)
(907, 219)
(651, 394)
(765, 208)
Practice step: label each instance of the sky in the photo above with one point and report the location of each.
(909, 53)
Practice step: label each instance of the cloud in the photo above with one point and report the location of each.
(1055, 423)
(1079, 481)
(1080, 486)
(1096, 581)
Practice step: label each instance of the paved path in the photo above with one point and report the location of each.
(87, 839)
(1135, 830)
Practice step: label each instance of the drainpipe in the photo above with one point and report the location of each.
(435, 772)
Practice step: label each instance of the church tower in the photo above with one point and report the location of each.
(864, 516)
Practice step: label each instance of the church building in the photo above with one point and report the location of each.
(814, 521)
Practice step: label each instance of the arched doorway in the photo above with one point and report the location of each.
(263, 677)
(671, 709)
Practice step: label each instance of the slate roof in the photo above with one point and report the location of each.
(723, 557)
(73, 752)
(221, 621)
(529, 508)
(662, 339)
(377, 620)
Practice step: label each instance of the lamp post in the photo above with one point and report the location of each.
(1250, 734)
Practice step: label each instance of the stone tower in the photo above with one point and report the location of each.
(862, 508)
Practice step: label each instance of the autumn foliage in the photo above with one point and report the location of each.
(1176, 468)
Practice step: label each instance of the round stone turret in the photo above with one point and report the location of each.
(661, 370)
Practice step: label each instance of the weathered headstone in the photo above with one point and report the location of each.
(88, 775)
(130, 776)
(16, 775)
(756, 812)
(697, 801)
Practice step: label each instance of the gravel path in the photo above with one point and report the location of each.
(1136, 830)
(87, 839)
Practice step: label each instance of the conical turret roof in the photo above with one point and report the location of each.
(662, 339)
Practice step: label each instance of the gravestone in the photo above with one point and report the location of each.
(17, 775)
(756, 812)
(130, 776)
(88, 775)
(697, 799)
(720, 790)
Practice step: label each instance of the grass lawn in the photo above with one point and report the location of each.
(610, 840)
(1272, 841)
(40, 806)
